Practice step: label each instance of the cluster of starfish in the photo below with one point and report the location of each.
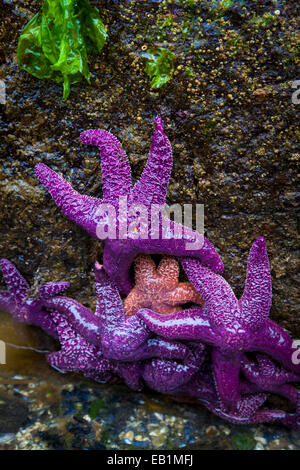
(223, 352)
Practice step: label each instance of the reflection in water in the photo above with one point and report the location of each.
(25, 349)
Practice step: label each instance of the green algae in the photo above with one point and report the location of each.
(55, 43)
(159, 66)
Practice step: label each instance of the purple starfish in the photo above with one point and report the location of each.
(230, 326)
(93, 214)
(21, 306)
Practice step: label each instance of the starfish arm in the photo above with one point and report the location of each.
(249, 412)
(7, 302)
(184, 293)
(219, 299)
(168, 269)
(257, 297)
(16, 284)
(226, 369)
(41, 319)
(133, 302)
(162, 348)
(200, 387)
(189, 324)
(50, 289)
(117, 263)
(121, 341)
(152, 186)
(207, 254)
(79, 317)
(131, 374)
(164, 375)
(144, 270)
(115, 168)
(80, 209)
(274, 341)
(109, 310)
(265, 372)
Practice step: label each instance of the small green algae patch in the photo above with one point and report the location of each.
(159, 66)
(243, 441)
(95, 408)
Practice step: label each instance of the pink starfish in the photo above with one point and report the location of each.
(159, 288)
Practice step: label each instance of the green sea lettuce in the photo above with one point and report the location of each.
(159, 66)
(56, 41)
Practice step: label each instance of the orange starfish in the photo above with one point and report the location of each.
(159, 288)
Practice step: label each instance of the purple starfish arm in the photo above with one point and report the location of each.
(191, 244)
(76, 354)
(164, 375)
(16, 284)
(131, 374)
(274, 341)
(266, 373)
(157, 347)
(115, 168)
(83, 321)
(26, 309)
(109, 310)
(220, 302)
(226, 369)
(190, 324)
(152, 186)
(80, 209)
(286, 390)
(256, 301)
(51, 289)
(7, 302)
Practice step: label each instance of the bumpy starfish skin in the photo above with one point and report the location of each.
(266, 375)
(159, 288)
(229, 325)
(23, 308)
(150, 189)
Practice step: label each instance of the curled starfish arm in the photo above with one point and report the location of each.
(152, 186)
(265, 372)
(162, 348)
(249, 412)
(191, 324)
(7, 302)
(164, 375)
(191, 244)
(126, 341)
(226, 369)
(256, 300)
(80, 209)
(286, 390)
(275, 342)
(79, 317)
(220, 301)
(16, 284)
(115, 168)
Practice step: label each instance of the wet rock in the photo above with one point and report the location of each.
(13, 413)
